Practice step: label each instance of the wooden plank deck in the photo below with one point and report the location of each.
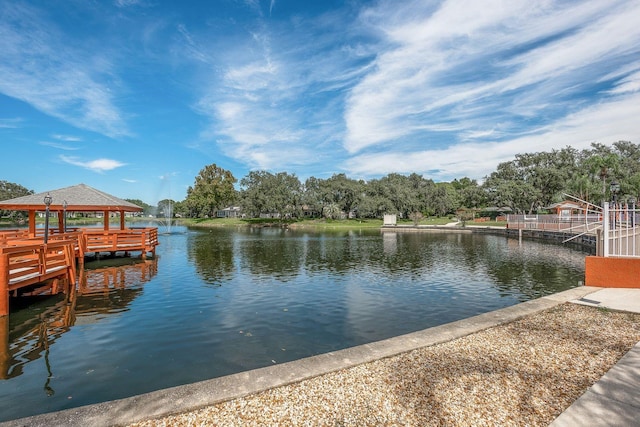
(25, 260)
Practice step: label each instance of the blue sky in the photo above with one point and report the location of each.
(135, 97)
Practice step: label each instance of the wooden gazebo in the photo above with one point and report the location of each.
(36, 255)
(77, 198)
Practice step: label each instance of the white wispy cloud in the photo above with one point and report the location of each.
(436, 80)
(189, 47)
(67, 138)
(42, 67)
(629, 84)
(444, 88)
(13, 123)
(274, 105)
(471, 66)
(59, 146)
(479, 159)
(460, 88)
(97, 165)
(126, 3)
(65, 142)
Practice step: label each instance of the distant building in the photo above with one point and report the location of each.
(309, 212)
(390, 219)
(230, 212)
(566, 209)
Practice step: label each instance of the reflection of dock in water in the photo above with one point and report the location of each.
(104, 279)
(28, 333)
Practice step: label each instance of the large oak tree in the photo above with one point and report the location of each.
(213, 190)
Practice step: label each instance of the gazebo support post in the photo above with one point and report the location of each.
(106, 220)
(32, 223)
(61, 222)
(121, 220)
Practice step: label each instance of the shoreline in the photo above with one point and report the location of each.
(524, 372)
(583, 242)
(243, 388)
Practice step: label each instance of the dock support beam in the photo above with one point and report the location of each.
(5, 355)
(4, 285)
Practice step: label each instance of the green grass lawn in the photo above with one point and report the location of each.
(307, 223)
(338, 223)
(432, 220)
(318, 223)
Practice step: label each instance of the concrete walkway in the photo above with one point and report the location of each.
(614, 400)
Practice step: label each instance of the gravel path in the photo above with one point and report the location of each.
(521, 373)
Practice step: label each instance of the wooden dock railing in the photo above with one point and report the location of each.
(129, 240)
(27, 264)
(91, 240)
(25, 260)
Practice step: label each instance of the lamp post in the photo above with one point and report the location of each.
(64, 217)
(47, 203)
(615, 188)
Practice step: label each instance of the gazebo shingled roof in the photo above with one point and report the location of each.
(79, 198)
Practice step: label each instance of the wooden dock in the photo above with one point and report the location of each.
(59, 202)
(26, 260)
(143, 240)
(26, 264)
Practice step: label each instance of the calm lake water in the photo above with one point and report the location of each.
(222, 301)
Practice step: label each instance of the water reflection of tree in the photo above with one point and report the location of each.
(326, 253)
(529, 270)
(532, 269)
(212, 255)
(28, 333)
(416, 252)
(396, 252)
(277, 253)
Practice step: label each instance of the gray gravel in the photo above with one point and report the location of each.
(525, 372)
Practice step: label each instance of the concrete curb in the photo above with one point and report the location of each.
(612, 401)
(205, 393)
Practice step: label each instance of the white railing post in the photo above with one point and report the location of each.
(633, 228)
(605, 229)
(624, 216)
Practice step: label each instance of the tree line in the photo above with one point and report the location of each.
(11, 190)
(528, 183)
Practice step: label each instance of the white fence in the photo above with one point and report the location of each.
(616, 225)
(621, 229)
(578, 223)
